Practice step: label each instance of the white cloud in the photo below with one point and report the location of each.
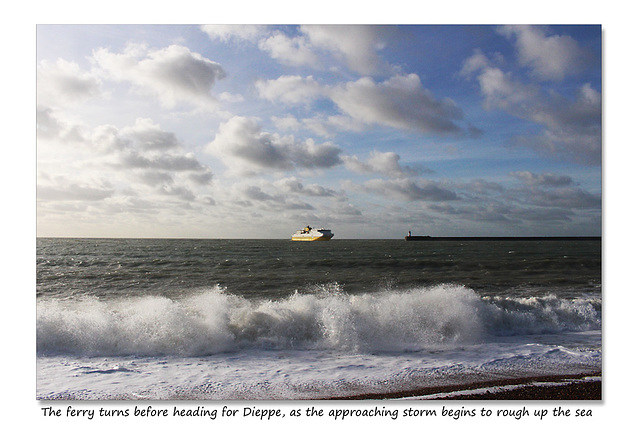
(289, 89)
(549, 57)
(387, 163)
(243, 146)
(332, 125)
(146, 146)
(174, 74)
(51, 125)
(62, 83)
(498, 87)
(288, 122)
(98, 161)
(226, 32)
(572, 129)
(294, 51)
(231, 98)
(107, 163)
(400, 102)
(357, 45)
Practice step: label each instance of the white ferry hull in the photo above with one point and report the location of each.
(310, 238)
(312, 234)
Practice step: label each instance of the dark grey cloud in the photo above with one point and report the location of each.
(73, 192)
(409, 190)
(546, 179)
(165, 162)
(180, 192)
(483, 187)
(149, 136)
(565, 197)
(155, 178)
(293, 185)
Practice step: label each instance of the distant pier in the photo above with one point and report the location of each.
(501, 238)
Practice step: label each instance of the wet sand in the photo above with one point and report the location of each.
(565, 387)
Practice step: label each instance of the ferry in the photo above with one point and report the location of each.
(312, 234)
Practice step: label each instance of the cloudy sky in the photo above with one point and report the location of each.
(249, 131)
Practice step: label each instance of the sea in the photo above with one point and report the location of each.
(240, 319)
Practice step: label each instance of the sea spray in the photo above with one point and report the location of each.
(216, 321)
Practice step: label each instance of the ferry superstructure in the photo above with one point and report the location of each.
(312, 234)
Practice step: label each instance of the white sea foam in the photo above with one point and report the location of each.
(308, 374)
(314, 345)
(215, 321)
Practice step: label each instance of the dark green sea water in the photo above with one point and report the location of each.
(277, 268)
(276, 319)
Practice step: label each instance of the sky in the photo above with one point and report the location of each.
(254, 131)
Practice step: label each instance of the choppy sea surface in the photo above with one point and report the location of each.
(274, 319)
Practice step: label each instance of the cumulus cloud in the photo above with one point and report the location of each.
(400, 102)
(550, 57)
(63, 83)
(110, 162)
(571, 128)
(174, 74)
(385, 163)
(356, 45)
(331, 125)
(289, 89)
(242, 145)
(145, 146)
(288, 122)
(150, 136)
(226, 32)
(293, 51)
(50, 125)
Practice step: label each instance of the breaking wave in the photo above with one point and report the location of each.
(326, 319)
